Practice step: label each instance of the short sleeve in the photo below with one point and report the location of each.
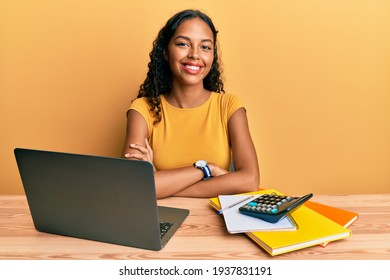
(142, 107)
(231, 104)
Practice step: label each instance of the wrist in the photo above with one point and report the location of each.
(202, 165)
(216, 170)
(212, 168)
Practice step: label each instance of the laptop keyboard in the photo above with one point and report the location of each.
(164, 227)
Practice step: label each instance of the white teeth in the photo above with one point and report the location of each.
(192, 67)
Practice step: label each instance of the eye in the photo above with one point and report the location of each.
(181, 44)
(206, 48)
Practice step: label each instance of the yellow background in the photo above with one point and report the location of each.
(314, 75)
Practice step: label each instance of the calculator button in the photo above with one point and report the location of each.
(273, 207)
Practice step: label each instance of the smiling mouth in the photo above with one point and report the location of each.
(193, 69)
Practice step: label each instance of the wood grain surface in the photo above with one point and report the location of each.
(202, 236)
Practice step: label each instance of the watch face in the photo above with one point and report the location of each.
(201, 163)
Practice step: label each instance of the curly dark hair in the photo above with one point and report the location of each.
(159, 77)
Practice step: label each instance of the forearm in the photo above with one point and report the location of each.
(230, 183)
(170, 182)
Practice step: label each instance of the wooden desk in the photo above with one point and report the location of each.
(201, 236)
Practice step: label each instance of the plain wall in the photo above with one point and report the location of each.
(314, 76)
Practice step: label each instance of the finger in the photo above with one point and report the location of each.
(136, 156)
(139, 148)
(148, 147)
(145, 153)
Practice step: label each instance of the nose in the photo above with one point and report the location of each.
(193, 53)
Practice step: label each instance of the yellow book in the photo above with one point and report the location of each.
(313, 229)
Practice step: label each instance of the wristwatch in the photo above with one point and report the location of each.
(202, 165)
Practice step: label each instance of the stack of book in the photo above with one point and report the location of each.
(311, 224)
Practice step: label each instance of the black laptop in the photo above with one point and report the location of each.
(104, 199)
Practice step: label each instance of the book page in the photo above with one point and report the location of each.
(237, 222)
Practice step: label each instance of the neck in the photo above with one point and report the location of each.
(187, 97)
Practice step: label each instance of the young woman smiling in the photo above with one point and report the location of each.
(183, 123)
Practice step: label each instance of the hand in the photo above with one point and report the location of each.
(216, 170)
(146, 153)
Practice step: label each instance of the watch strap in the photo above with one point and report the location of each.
(207, 172)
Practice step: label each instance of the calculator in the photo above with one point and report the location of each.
(272, 207)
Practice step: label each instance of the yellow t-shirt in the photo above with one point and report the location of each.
(186, 135)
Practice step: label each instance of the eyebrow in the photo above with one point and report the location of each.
(189, 39)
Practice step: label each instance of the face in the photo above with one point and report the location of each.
(190, 52)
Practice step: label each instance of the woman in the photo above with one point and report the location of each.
(182, 121)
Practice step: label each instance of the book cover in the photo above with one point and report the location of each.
(341, 216)
(238, 223)
(313, 229)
